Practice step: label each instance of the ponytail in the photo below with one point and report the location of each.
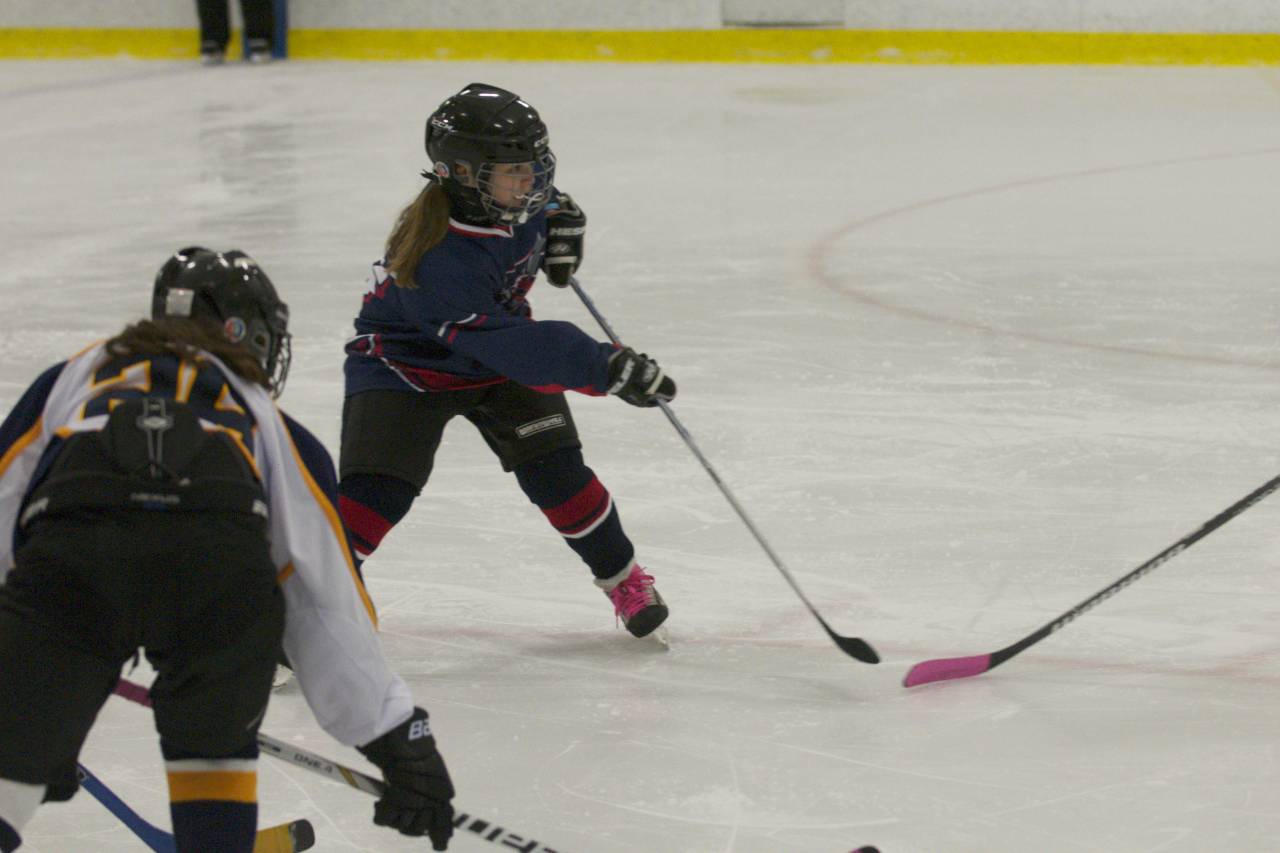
(419, 227)
(184, 338)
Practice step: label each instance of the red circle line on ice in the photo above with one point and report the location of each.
(818, 251)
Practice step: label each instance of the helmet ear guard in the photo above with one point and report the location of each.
(232, 292)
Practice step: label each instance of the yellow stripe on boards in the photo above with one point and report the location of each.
(729, 45)
(76, 43)
(791, 46)
(68, 43)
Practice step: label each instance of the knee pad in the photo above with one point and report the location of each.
(555, 478)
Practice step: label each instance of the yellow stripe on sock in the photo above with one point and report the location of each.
(236, 787)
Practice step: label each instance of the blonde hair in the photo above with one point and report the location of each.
(185, 338)
(419, 227)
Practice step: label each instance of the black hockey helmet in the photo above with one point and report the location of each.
(231, 290)
(485, 132)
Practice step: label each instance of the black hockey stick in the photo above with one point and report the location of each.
(851, 646)
(351, 777)
(941, 669)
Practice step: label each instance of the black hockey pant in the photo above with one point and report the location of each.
(197, 590)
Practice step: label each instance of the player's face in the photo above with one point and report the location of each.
(511, 183)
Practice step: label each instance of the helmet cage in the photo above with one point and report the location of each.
(271, 346)
(505, 180)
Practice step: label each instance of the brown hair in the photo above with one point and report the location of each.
(419, 227)
(184, 338)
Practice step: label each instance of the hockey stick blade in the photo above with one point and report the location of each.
(945, 669)
(286, 838)
(851, 646)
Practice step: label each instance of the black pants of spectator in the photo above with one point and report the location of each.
(259, 21)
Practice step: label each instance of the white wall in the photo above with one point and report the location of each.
(160, 14)
(506, 14)
(1207, 16)
(384, 14)
(1181, 16)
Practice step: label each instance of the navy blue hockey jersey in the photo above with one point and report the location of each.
(468, 323)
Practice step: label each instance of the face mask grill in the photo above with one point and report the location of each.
(513, 192)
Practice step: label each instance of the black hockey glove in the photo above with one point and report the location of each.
(638, 379)
(417, 799)
(566, 231)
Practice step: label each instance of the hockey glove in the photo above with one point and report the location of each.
(417, 799)
(638, 379)
(566, 231)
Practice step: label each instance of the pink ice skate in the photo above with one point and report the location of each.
(635, 600)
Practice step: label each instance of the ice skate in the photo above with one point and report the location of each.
(211, 53)
(635, 601)
(258, 51)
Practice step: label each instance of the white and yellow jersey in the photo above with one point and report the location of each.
(330, 626)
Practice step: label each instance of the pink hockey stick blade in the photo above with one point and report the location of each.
(943, 669)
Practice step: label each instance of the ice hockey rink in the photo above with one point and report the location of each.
(968, 343)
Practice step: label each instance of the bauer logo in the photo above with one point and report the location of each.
(540, 425)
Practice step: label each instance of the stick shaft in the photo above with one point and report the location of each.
(353, 778)
(1149, 566)
(941, 669)
(850, 645)
(151, 835)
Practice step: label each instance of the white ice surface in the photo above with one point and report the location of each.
(968, 343)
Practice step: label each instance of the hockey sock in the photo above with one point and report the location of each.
(578, 506)
(213, 802)
(370, 505)
(18, 802)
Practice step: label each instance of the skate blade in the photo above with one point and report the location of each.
(282, 677)
(660, 636)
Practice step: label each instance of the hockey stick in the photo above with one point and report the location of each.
(286, 838)
(941, 669)
(300, 757)
(851, 646)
